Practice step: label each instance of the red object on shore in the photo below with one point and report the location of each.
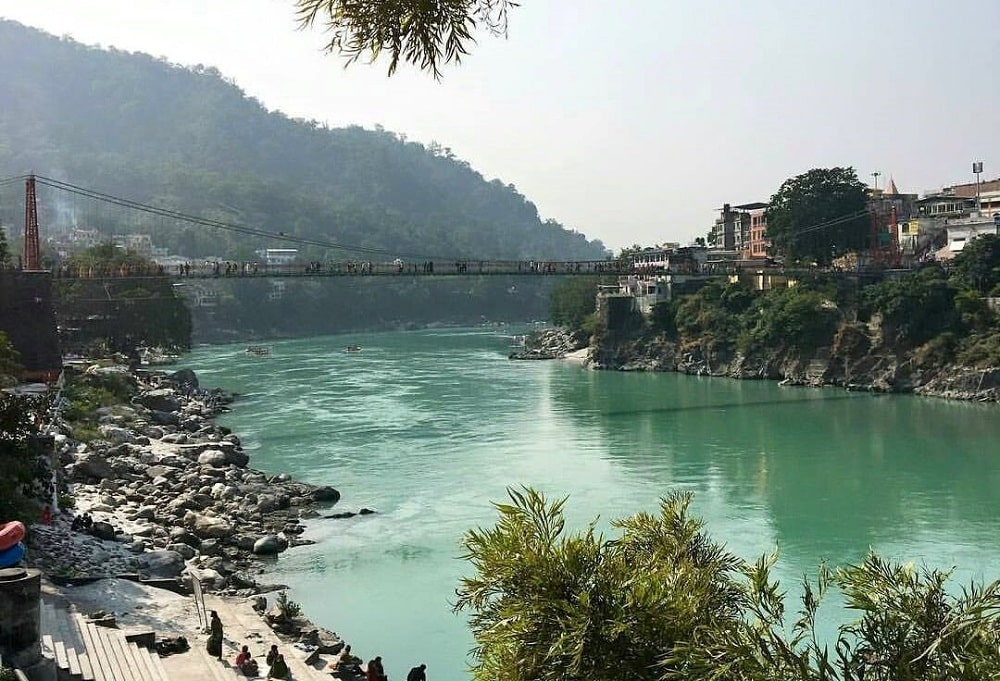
(11, 533)
(46, 516)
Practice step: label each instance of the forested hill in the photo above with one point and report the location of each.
(133, 126)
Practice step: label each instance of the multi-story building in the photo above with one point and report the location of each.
(139, 243)
(758, 244)
(742, 229)
(988, 193)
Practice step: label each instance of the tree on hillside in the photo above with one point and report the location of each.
(819, 215)
(425, 34)
(4, 249)
(662, 601)
(122, 311)
(977, 266)
(573, 302)
(914, 309)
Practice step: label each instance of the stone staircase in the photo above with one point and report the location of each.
(83, 651)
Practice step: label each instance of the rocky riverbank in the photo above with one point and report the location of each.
(171, 493)
(861, 366)
(555, 343)
(171, 497)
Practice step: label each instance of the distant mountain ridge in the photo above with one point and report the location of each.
(186, 138)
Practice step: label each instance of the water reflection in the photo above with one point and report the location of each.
(834, 472)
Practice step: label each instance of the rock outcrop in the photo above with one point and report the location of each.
(550, 344)
(857, 361)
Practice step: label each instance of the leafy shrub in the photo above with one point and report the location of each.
(663, 601)
(289, 609)
(936, 352)
(980, 350)
(790, 317)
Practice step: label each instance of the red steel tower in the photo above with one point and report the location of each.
(32, 259)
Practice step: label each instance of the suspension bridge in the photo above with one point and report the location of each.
(364, 261)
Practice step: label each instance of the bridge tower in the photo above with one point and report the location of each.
(32, 258)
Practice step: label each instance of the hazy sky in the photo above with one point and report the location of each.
(630, 121)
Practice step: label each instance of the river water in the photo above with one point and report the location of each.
(428, 427)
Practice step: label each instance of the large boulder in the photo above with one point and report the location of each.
(267, 503)
(93, 466)
(213, 457)
(182, 536)
(164, 418)
(103, 530)
(115, 434)
(326, 494)
(237, 457)
(206, 526)
(161, 399)
(270, 545)
(162, 564)
(185, 377)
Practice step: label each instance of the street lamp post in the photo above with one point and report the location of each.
(977, 168)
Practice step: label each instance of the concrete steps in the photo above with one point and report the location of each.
(83, 651)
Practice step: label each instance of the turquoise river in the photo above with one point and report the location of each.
(428, 427)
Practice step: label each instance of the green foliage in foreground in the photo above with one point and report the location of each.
(10, 362)
(20, 456)
(662, 600)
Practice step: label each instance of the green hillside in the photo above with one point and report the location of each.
(134, 126)
(189, 140)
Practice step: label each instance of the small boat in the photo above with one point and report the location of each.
(352, 349)
(257, 351)
(10, 534)
(155, 357)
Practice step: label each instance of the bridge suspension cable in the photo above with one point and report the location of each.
(227, 226)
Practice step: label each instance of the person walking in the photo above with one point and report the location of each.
(417, 674)
(214, 643)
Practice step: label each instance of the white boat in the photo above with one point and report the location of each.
(154, 357)
(353, 349)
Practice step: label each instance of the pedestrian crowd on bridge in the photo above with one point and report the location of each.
(227, 268)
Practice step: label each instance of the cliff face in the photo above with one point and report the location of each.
(856, 361)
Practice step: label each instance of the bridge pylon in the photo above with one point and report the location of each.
(31, 259)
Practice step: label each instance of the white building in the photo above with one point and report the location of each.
(963, 230)
(278, 256)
